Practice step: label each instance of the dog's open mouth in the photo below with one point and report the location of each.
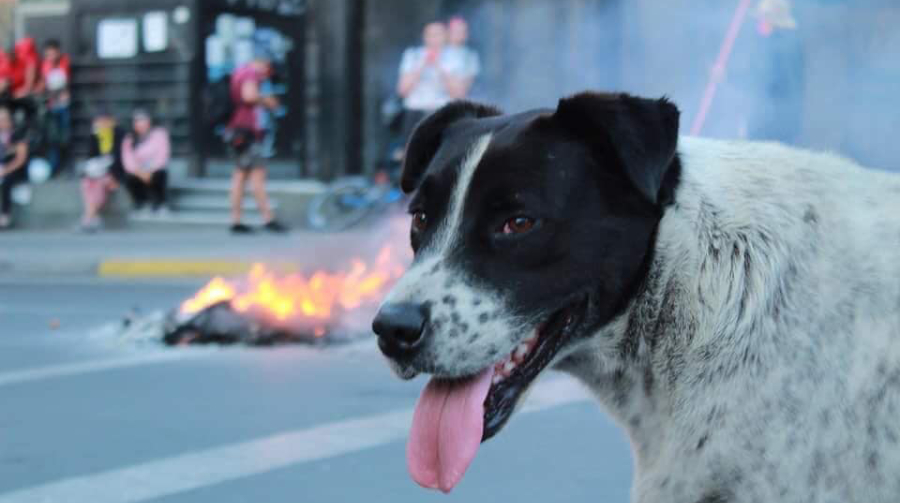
(453, 416)
(513, 375)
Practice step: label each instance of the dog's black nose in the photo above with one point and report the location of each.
(400, 328)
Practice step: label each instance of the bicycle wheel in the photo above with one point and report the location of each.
(344, 204)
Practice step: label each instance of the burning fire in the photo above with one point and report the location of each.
(311, 302)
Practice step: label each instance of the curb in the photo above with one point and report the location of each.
(164, 268)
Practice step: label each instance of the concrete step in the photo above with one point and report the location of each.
(188, 219)
(209, 202)
(196, 203)
(293, 187)
(276, 169)
(205, 201)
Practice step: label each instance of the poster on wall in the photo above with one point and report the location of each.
(117, 38)
(156, 31)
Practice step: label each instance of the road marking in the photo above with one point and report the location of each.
(168, 476)
(115, 268)
(70, 369)
(185, 268)
(350, 349)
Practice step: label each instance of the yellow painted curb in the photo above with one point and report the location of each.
(181, 268)
(170, 268)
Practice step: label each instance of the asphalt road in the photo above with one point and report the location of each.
(86, 417)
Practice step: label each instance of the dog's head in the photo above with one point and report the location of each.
(530, 232)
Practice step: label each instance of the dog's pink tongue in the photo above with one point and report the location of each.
(446, 430)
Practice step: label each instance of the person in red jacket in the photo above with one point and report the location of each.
(54, 85)
(24, 76)
(24, 68)
(4, 76)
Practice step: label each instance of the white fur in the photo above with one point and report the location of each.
(761, 360)
(767, 358)
(449, 227)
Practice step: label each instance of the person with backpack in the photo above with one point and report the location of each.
(246, 134)
(219, 107)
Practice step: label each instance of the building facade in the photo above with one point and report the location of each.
(341, 57)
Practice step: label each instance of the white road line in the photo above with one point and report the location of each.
(70, 369)
(168, 476)
(357, 348)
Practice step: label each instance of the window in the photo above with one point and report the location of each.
(155, 31)
(117, 38)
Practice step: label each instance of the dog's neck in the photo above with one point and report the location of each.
(643, 365)
(617, 364)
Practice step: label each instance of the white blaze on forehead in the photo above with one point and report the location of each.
(449, 227)
(415, 282)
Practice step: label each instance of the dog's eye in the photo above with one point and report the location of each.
(517, 225)
(419, 221)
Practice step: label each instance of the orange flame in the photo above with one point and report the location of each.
(295, 300)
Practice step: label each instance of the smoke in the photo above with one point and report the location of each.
(830, 84)
(387, 236)
(376, 252)
(533, 52)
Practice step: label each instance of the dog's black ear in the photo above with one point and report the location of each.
(642, 133)
(428, 135)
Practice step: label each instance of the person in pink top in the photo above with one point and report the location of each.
(145, 155)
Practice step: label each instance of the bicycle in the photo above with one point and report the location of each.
(349, 200)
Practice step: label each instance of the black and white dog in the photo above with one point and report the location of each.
(734, 305)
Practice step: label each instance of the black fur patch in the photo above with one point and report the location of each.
(642, 133)
(429, 134)
(595, 175)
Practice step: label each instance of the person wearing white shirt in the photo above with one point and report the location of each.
(426, 82)
(462, 61)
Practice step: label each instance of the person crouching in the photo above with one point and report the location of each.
(145, 154)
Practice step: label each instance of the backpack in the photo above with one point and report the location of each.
(218, 104)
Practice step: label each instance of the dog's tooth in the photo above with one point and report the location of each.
(509, 366)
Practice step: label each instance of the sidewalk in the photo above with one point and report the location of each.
(176, 254)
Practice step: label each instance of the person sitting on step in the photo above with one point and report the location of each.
(146, 152)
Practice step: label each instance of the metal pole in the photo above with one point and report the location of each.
(718, 71)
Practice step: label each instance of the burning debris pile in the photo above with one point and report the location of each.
(266, 308)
